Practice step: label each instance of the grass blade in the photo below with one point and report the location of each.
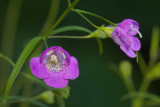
(20, 62)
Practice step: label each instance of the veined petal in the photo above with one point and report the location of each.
(56, 82)
(135, 45)
(129, 52)
(37, 69)
(72, 71)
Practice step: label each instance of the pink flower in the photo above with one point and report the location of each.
(124, 36)
(55, 66)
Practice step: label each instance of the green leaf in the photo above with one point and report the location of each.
(154, 72)
(36, 81)
(154, 43)
(20, 62)
(70, 28)
(7, 59)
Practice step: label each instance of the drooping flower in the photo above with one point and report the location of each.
(55, 66)
(124, 35)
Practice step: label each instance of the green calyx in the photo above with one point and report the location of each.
(107, 30)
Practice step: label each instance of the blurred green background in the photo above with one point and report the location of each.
(97, 85)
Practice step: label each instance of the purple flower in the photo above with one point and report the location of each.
(55, 66)
(123, 35)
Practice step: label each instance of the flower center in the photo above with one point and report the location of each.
(54, 60)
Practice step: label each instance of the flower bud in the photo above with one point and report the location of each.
(47, 96)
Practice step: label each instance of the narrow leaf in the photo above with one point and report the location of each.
(70, 28)
(20, 62)
(7, 59)
(154, 43)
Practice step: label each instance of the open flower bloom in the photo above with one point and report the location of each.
(124, 35)
(55, 66)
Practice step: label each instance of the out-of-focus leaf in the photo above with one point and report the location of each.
(142, 64)
(154, 43)
(70, 28)
(154, 72)
(7, 59)
(38, 103)
(3, 87)
(100, 45)
(126, 69)
(20, 62)
(149, 96)
(16, 99)
(36, 81)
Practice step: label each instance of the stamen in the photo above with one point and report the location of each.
(140, 35)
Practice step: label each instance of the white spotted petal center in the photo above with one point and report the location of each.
(54, 60)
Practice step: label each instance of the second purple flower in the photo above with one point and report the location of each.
(123, 35)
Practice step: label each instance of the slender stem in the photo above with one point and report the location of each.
(45, 41)
(95, 15)
(86, 19)
(61, 18)
(7, 59)
(72, 37)
(69, 3)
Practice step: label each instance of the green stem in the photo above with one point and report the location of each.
(69, 3)
(95, 15)
(72, 37)
(61, 18)
(86, 19)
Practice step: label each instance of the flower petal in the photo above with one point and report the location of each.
(129, 52)
(37, 69)
(56, 82)
(135, 45)
(72, 71)
(120, 37)
(129, 26)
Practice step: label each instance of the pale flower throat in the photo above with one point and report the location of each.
(54, 60)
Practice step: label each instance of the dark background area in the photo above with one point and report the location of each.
(97, 85)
